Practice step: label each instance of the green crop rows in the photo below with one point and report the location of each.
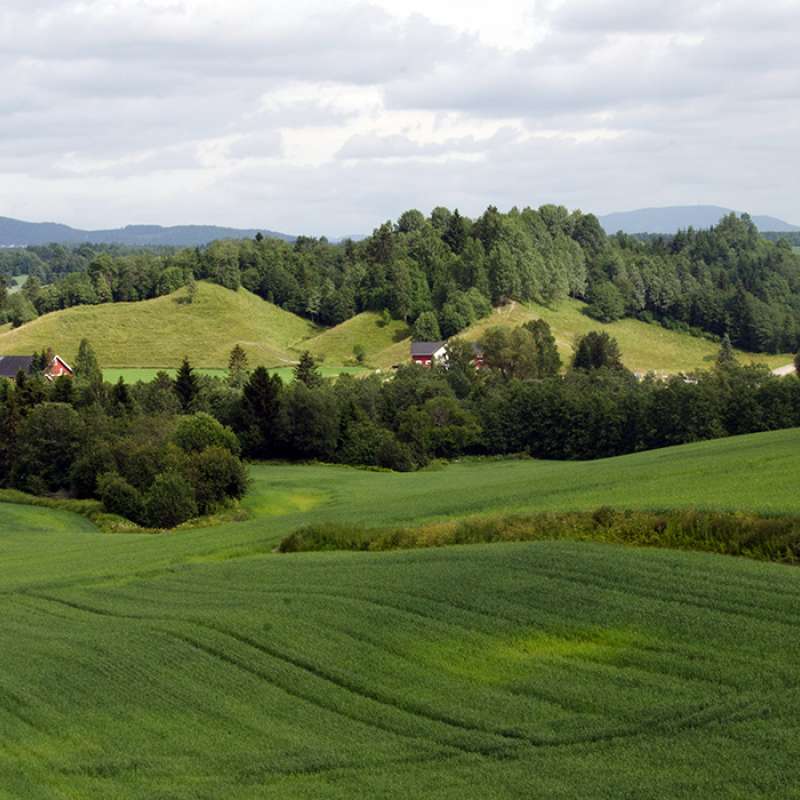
(201, 664)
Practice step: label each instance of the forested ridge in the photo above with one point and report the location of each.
(444, 271)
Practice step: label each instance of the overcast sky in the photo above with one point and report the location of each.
(329, 117)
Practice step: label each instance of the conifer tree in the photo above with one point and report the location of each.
(237, 367)
(87, 367)
(186, 386)
(306, 371)
(726, 358)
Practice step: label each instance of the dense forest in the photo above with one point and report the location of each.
(444, 271)
(161, 452)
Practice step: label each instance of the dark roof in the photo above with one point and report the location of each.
(425, 348)
(11, 365)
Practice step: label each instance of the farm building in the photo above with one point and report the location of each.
(426, 352)
(11, 365)
(57, 368)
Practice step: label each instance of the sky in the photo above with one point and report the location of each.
(330, 117)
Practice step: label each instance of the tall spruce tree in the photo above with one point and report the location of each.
(306, 371)
(186, 385)
(726, 358)
(237, 367)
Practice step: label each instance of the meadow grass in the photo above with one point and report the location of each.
(162, 331)
(134, 374)
(335, 345)
(645, 346)
(201, 664)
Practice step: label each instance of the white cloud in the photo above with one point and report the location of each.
(327, 118)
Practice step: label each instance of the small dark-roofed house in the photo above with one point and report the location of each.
(426, 352)
(11, 365)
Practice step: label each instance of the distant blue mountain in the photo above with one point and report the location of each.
(14, 232)
(674, 218)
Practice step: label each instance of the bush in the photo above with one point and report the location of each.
(88, 467)
(199, 431)
(169, 501)
(217, 475)
(119, 497)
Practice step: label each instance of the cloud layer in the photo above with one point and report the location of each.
(319, 119)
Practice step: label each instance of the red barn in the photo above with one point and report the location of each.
(426, 352)
(57, 368)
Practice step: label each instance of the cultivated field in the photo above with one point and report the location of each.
(133, 374)
(201, 664)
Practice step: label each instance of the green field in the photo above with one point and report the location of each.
(645, 346)
(201, 664)
(141, 338)
(134, 374)
(335, 345)
(156, 333)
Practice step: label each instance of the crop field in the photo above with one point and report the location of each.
(134, 374)
(645, 346)
(201, 664)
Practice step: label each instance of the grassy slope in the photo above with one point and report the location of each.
(202, 665)
(335, 345)
(158, 333)
(645, 347)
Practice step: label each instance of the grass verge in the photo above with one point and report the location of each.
(764, 538)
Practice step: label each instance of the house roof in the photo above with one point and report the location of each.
(426, 349)
(11, 365)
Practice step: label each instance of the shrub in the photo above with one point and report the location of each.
(119, 497)
(94, 461)
(217, 475)
(169, 501)
(199, 431)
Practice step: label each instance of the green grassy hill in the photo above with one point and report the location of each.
(158, 333)
(202, 664)
(335, 345)
(645, 347)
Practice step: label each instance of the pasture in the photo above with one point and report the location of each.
(160, 332)
(201, 664)
(646, 347)
(146, 374)
(135, 340)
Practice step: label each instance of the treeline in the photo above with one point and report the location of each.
(164, 451)
(133, 449)
(444, 271)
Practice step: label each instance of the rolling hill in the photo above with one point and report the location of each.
(159, 332)
(204, 665)
(671, 219)
(17, 233)
(645, 346)
(335, 345)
